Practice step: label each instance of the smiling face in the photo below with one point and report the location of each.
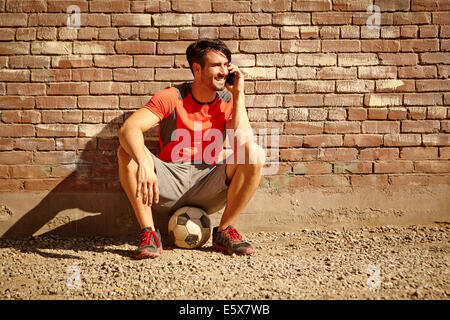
(214, 71)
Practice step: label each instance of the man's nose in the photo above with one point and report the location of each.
(224, 70)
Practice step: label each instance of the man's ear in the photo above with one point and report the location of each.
(197, 68)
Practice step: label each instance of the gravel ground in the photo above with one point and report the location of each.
(388, 262)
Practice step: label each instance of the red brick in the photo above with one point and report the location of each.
(33, 144)
(60, 130)
(135, 47)
(379, 154)
(380, 45)
(99, 102)
(300, 46)
(399, 59)
(416, 113)
(402, 140)
(301, 100)
(252, 19)
(343, 100)
(377, 72)
(29, 89)
(334, 18)
(290, 19)
(337, 73)
(29, 62)
(14, 102)
(380, 127)
(425, 5)
(356, 59)
(303, 127)
(430, 166)
(275, 86)
(341, 45)
(13, 19)
(132, 74)
(276, 59)
(397, 166)
(397, 113)
(342, 127)
(71, 62)
(173, 74)
(71, 88)
(363, 140)
(310, 86)
(352, 86)
(442, 17)
(231, 6)
(56, 102)
(434, 58)
(418, 153)
(109, 88)
(259, 46)
(433, 85)
(109, 6)
(419, 45)
(15, 75)
(417, 72)
(15, 157)
(395, 85)
(352, 167)
(213, 19)
(377, 114)
(16, 130)
(91, 74)
(357, 114)
(21, 116)
(288, 141)
(410, 18)
(311, 5)
(312, 141)
(422, 99)
(439, 139)
(383, 100)
(271, 5)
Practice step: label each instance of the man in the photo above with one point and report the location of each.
(190, 169)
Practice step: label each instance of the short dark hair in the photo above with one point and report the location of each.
(196, 51)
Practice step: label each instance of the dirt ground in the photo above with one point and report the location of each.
(389, 262)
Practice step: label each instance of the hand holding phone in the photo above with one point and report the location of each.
(230, 78)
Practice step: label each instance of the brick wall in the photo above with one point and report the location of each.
(354, 104)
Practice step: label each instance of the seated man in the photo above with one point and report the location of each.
(192, 167)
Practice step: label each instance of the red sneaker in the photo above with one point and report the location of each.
(150, 244)
(230, 241)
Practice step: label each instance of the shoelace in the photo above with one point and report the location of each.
(233, 234)
(146, 237)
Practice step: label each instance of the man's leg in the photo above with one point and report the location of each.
(150, 239)
(127, 176)
(243, 180)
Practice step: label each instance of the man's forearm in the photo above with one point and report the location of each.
(132, 140)
(239, 116)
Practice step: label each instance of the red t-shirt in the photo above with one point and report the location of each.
(190, 131)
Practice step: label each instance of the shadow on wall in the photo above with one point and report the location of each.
(90, 200)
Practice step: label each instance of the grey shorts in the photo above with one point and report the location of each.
(187, 184)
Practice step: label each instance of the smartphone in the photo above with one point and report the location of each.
(230, 78)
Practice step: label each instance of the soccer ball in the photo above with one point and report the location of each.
(189, 227)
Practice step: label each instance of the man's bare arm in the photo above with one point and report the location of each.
(131, 137)
(131, 134)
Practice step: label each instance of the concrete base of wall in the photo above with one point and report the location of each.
(109, 214)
